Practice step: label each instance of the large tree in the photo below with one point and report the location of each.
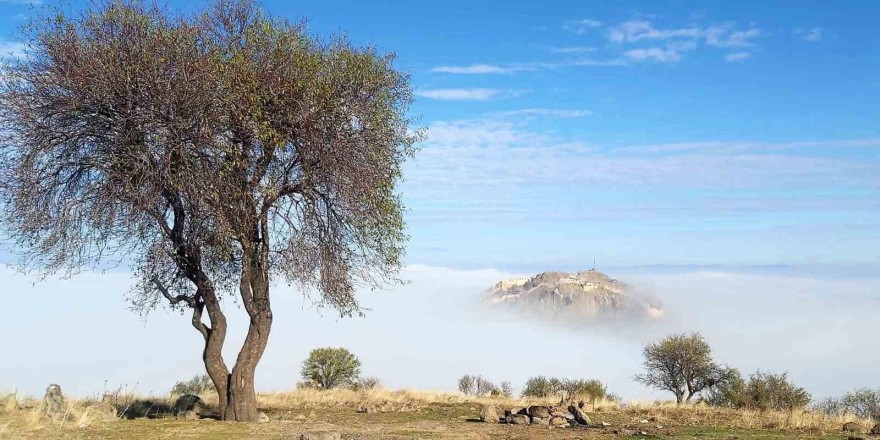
(681, 364)
(216, 153)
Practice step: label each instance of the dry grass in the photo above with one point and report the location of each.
(17, 416)
(714, 417)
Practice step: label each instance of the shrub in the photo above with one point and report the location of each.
(506, 389)
(774, 391)
(366, 383)
(476, 386)
(863, 403)
(540, 386)
(331, 368)
(728, 391)
(197, 385)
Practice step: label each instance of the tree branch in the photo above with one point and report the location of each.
(190, 300)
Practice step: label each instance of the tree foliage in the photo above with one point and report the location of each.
(863, 403)
(541, 386)
(199, 384)
(475, 385)
(328, 368)
(681, 364)
(213, 153)
(766, 390)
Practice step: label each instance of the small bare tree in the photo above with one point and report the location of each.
(681, 364)
(214, 154)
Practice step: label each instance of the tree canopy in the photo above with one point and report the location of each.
(681, 364)
(214, 154)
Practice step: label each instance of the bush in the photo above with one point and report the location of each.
(476, 386)
(366, 383)
(863, 403)
(199, 384)
(541, 386)
(774, 391)
(728, 391)
(331, 368)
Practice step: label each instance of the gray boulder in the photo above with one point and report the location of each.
(579, 415)
(558, 421)
(518, 419)
(189, 402)
(54, 400)
(187, 415)
(264, 418)
(489, 414)
(539, 411)
(540, 420)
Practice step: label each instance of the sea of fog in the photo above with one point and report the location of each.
(78, 333)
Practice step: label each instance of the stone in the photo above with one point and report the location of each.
(538, 411)
(559, 413)
(852, 427)
(516, 410)
(606, 424)
(558, 421)
(540, 420)
(54, 400)
(320, 435)
(189, 402)
(579, 415)
(187, 415)
(876, 429)
(518, 419)
(264, 418)
(489, 414)
(367, 409)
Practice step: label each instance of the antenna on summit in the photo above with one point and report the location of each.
(594, 264)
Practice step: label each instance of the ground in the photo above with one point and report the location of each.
(427, 421)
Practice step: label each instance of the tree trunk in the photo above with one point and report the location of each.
(241, 394)
(215, 336)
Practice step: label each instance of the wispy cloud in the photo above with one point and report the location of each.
(669, 44)
(812, 35)
(653, 54)
(545, 112)
(736, 56)
(459, 94)
(11, 49)
(582, 26)
(638, 30)
(573, 49)
(477, 69)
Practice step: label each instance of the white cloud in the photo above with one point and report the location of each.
(572, 49)
(476, 69)
(736, 56)
(653, 54)
(458, 94)
(582, 26)
(812, 35)
(726, 36)
(12, 49)
(546, 112)
(638, 30)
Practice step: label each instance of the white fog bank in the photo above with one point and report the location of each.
(426, 334)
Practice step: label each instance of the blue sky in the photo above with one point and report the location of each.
(646, 133)
(714, 138)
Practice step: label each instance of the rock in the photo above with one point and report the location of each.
(606, 424)
(540, 420)
(585, 294)
(579, 415)
(367, 409)
(518, 419)
(54, 400)
(187, 415)
(538, 411)
(516, 410)
(558, 421)
(321, 435)
(559, 413)
(264, 418)
(189, 402)
(852, 427)
(855, 437)
(876, 429)
(489, 414)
